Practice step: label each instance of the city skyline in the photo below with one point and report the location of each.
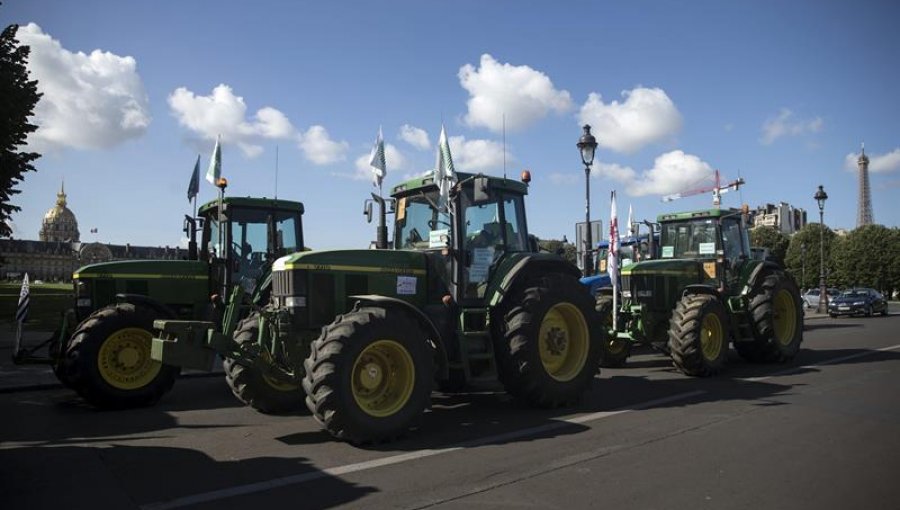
(779, 95)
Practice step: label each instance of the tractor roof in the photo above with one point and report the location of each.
(691, 215)
(427, 181)
(264, 203)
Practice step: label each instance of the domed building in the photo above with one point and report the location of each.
(59, 225)
(60, 252)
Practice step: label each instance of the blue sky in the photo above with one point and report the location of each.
(780, 93)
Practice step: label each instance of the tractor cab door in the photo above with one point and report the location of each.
(736, 249)
(490, 226)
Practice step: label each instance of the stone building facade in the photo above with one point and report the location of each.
(59, 251)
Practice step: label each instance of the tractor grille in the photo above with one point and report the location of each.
(654, 291)
(626, 283)
(288, 283)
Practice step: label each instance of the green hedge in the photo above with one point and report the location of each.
(48, 301)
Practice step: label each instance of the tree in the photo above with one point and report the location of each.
(867, 258)
(18, 97)
(553, 246)
(769, 237)
(802, 256)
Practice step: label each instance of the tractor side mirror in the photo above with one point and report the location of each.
(367, 211)
(482, 192)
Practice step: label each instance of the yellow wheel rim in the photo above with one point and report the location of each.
(124, 359)
(564, 341)
(711, 336)
(276, 384)
(784, 317)
(383, 378)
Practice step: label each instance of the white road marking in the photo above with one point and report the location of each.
(239, 490)
(826, 362)
(275, 483)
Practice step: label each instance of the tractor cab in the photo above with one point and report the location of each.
(717, 239)
(242, 240)
(483, 224)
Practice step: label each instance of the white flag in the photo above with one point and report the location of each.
(24, 299)
(630, 222)
(612, 266)
(215, 165)
(376, 161)
(444, 173)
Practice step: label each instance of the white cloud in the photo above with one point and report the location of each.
(521, 93)
(477, 155)
(393, 159)
(417, 137)
(645, 116)
(224, 113)
(93, 101)
(878, 163)
(787, 124)
(319, 148)
(672, 172)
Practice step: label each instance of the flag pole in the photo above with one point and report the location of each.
(18, 340)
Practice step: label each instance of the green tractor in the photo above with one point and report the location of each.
(106, 359)
(704, 290)
(463, 297)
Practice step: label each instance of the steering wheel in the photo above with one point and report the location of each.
(432, 224)
(413, 237)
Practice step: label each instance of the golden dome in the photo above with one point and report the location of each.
(59, 223)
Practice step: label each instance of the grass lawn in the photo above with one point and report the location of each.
(48, 301)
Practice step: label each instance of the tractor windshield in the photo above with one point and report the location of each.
(418, 219)
(689, 240)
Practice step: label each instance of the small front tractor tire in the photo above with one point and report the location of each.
(698, 335)
(549, 343)
(614, 352)
(107, 361)
(253, 387)
(777, 315)
(369, 375)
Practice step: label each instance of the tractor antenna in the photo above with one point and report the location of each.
(504, 145)
(276, 172)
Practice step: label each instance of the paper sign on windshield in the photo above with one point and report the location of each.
(668, 252)
(482, 258)
(438, 238)
(707, 248)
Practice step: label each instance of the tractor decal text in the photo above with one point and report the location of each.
(361, 269)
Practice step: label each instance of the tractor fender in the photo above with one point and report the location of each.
(757, 271)
(425, 323)
(528, 265)
(700, 289)
(162, 309)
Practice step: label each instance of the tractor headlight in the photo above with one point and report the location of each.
(295, 301)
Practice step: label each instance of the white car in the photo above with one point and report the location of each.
(811, 297)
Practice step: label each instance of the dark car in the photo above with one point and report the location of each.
(858, 301)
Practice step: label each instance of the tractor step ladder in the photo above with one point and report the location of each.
(476, 345)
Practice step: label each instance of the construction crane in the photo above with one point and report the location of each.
(717, 189)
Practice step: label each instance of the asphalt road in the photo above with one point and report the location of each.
(821, 432)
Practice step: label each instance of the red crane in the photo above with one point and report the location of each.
(717, 189)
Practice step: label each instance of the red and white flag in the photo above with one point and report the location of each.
(612, 262)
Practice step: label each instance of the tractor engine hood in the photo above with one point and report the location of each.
(675, 267)
(657, 284)
(356, 261)
(145, 270)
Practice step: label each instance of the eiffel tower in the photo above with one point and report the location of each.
(864, 206)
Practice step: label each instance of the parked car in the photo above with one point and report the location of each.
(858, 301)
(811, 297)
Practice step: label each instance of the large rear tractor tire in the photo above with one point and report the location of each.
(549, 342)
(107, 361)
(698, 335)
(369, 375)
(614, 352)
(253, 387)
(777, 315)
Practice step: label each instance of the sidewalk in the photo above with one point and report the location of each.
(15, 378)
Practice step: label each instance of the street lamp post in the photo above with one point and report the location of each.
(802, 265)
(821, 197)
(587, 145)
